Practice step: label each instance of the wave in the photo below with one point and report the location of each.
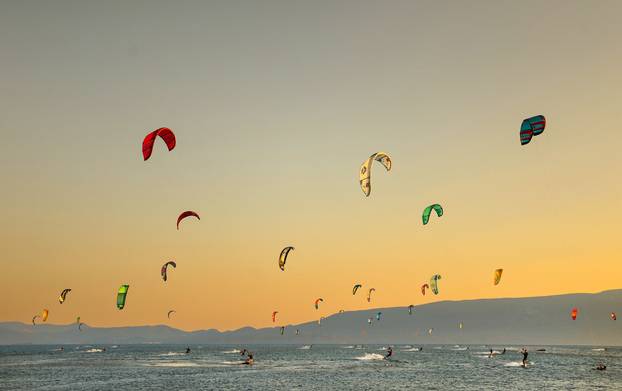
(599, 349)
(517, 364)
(459, 349)
(93, 350)
(175, 364)
(306, 347)
(411, 350)
(370, 357)
(348, 347)
(172, 354)
(233, 351)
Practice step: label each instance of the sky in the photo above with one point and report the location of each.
(275, 105)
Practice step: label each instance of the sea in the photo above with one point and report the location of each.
(307, 367)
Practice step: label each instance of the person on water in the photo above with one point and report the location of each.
(389, 353)
(503, 352)
(490, 355)
(187, 349)
(243, 352)
(601, 367)
(525, 354)
(249, 360)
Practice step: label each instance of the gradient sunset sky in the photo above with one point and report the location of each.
(275, 105)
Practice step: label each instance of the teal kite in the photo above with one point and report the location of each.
(530, 127)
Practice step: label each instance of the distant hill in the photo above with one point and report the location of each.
(529, 321)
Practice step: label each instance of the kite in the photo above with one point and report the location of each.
(168, 315)
(365, 173)
(164, 269)
(613, 316)
(530, 127)
(283, 257)
(434, 283)
(369, 294)
(63, 295)
(44, 315)
(356, 288)
(317, 303)
(33, 319)
(460, 325)
(165, 134)
(498, 274)
(427, 211)
(423, 287)
(574, 313)
(185, 214)
(121, 296)
(274, 316)
(430, 331)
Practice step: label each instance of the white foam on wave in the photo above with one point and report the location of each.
(517, 364)
(411, 350)
(171, 354)
(114, 346)
(93, 351)
(382, 348)
(348, 347)
(459, 349)
(232, 362)
(175, 364)
(370, 356)
(233, 351)
(306, 347)
(599, 349)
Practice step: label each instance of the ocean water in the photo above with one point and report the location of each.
(320, 367)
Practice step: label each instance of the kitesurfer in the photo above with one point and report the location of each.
(187, 349)
(249, 360)
(601, 367)
(525, 354)
(491, 354)
(389, 353)
(503, 352)
(243, 352)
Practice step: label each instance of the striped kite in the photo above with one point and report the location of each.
(531, 127)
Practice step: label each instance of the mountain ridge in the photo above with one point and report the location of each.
(528, 320)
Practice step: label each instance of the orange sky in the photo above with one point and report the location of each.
(275, 106)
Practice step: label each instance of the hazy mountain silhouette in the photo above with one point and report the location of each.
(529, 321)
